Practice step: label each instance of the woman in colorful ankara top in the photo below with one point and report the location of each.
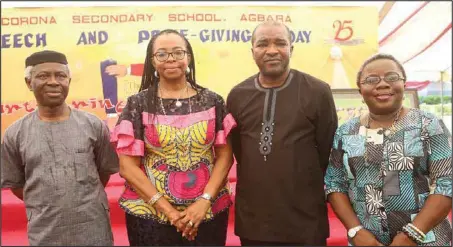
(172, 139)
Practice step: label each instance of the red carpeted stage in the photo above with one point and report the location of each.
(14, 221)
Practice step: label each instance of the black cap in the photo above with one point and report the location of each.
(45, 57)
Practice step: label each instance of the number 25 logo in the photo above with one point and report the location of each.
(343, 27)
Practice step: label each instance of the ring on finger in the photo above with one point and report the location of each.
(190, 223)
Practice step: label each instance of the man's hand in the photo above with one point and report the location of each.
(365, 238)
(401, 239)
(116, 70)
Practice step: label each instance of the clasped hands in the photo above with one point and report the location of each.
(366, 238)
(188, 221)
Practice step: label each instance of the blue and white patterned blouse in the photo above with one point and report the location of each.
(390, 187)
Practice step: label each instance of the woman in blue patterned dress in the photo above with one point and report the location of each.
(389, 178)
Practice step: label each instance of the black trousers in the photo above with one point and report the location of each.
(142, 232)
(247, 242)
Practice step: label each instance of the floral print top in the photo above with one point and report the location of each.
(176, 144)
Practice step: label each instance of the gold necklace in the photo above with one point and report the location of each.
(387, 131)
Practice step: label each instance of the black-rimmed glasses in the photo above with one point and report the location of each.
(163, 56)
(390, 78)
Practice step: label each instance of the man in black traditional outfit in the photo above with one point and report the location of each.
(286, 124)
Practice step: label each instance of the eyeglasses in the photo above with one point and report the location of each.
(163, 56)
(390, 77)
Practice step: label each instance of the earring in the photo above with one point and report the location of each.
(156, 74)
(187, 70)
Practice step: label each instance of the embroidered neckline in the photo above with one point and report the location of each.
(267, 125)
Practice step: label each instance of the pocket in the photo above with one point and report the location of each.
(29, 214)
(106, 209)
(85, 168)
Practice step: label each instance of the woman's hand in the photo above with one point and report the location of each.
(194, 214)
(365, 238)
(174, 216)
(401, 239)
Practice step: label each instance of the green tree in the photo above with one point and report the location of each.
(432, 100)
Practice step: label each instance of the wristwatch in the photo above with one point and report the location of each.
(206, 196)
(353, 231)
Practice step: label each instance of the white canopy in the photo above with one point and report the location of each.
(419, 34)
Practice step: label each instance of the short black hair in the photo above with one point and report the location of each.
(274, 23)
(380, 56)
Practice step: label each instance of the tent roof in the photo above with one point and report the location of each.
(419, 35)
